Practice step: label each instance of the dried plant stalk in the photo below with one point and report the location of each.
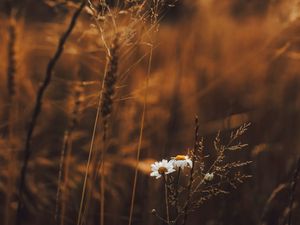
(203, 183)
(38, 106)
(109, 83)
(11, 72)
(11, 69)
(61, 194)
(104, 109)
(192, 171)
(292, 191)
(273, 195)
(140, 138)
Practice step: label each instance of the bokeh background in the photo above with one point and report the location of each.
(228, 62)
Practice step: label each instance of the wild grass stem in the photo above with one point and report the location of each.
(38, 107)
(140, 137)
(196, 145)
(292, 191)
(166, 199)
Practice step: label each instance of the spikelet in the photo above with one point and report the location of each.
(78, 95)
(63, 175)
(109, 82)
(11, 69)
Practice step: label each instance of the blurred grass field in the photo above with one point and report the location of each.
(228, 62)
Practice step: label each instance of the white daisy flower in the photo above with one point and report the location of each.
(161, 168)
(182, 161)
(209, 176)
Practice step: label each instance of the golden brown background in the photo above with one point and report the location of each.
(229, 62)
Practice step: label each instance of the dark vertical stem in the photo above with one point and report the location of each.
(60, 177)
(140, 139)
(105, 103)
(38, 106)
(292, 191)
(106, 110)
(11, 70)
(176, 191)
(66, 155)
(166, 199)
(196, 145)
(9, 129)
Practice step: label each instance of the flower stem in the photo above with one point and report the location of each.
(176, 191)
(190, 192)
(166, 198)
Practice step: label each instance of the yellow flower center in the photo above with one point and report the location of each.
(162, 170)
(180, 157)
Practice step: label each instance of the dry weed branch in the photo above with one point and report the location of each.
(61, 194)
(200, 184)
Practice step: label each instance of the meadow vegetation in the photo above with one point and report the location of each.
(149, 112)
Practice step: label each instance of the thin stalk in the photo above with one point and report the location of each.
(65, 163)
(38, 107)
(81, 210)
(99, 112)
(166, 200)
(11, 72)
(176, 190)
(140, 138)
(106, 110)
(64, 188)
(102, 181)
(60, 177)
(292, 192)
(66, 152)
(273, 195)
(196, 145)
